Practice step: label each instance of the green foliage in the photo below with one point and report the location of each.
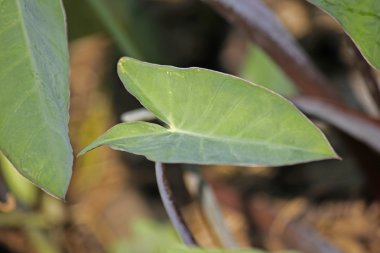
(108, 12)
(126, 21)
(22, 189)
(197, 250)
(212, 118)
(148, 236)
(361, 21)
(34, 75)
(259, 68)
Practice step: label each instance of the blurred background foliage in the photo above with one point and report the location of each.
(113, 205)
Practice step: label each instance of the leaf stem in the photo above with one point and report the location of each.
(264, 29)
(140, 114)
(170, 206)
(212, 209)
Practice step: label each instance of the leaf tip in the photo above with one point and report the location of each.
(63, 199)
(60, 194)
(331, 154)
(337, 157)
(84, 151)
(90, 147)
(122, 62)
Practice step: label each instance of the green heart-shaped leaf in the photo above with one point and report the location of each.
(212, 118)
(34, 92)
(361, 21)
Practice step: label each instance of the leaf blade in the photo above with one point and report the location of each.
(34, 93)
(208, 115)
(181, 249)
(258, 67)
(361, 21)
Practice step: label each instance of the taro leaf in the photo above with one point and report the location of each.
(361, 21)
(260, 68)
(34, 75)
(181, 249)
(212, 118)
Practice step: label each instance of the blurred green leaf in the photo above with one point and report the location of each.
(259, 68)
(197, 250)
(127, 21)
(34, 83)
(361, 21)
(148, 236)
(21, 188)
(108, 12)
(183, 249)
(41, 242)
(212, 118)
(82, 20)
(23, 219)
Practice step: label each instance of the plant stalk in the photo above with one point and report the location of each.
(170, 206)
(212, 210)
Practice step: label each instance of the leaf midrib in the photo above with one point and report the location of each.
(34, 66)
(31, 58)
(227, 139)
(215, 138)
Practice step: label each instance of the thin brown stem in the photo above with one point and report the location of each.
(212, 210)
(359, 126)
(170, 206)
(264, 29)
